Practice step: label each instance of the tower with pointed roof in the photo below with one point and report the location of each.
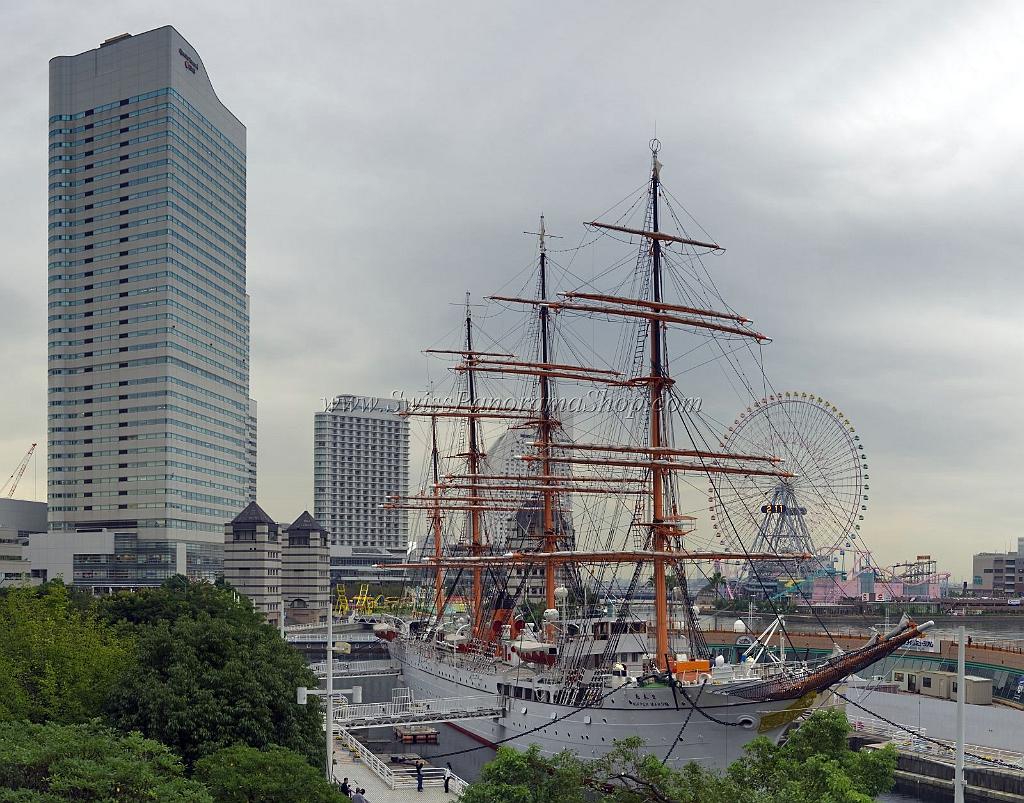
(305, 571)
(252, 560)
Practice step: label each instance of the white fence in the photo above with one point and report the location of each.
(395, 712)
(399, 775)
(911, 738)
(357, 668)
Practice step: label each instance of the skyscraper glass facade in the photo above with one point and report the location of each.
(149, 414)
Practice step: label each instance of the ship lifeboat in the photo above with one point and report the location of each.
(459, 641)
(385, 632)
(537, 652)
(690, 671)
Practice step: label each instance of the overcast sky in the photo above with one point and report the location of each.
(861, 162)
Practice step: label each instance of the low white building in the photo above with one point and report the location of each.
(19, 519)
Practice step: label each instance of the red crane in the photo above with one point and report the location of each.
(15, 478)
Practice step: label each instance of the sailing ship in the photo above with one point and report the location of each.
(594, 665)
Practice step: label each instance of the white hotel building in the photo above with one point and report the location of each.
(360, 462)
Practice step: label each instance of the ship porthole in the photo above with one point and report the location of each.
(746, 722)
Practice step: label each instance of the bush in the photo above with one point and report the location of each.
(58, 661)
(48, 763)
(241, 774)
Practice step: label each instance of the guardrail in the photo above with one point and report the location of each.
(417, 710)
(357, 668)
(999, 645)
(911, 738)
(399, 776)
(380, 768)
(358, 635)
(903, 735)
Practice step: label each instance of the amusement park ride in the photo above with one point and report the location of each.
(818, 511)
(363, 603)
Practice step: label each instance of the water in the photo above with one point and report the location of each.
(981, 628)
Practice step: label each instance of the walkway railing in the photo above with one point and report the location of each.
(312, 638)
(357, 668)
(901, 735)
(1000, 645)
(911, 738)
(369, 715)
(399, 775)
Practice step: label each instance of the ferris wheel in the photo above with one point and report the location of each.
(819, 509)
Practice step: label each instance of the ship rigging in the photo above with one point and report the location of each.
(595, 504)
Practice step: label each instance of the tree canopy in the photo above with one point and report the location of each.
(52, 762)
(211, 674)
(58, 661)
(815, 765)
(528, 777)
(241, 774)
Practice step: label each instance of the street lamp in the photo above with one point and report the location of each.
(302, 695)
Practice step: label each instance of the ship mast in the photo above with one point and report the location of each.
(616, 469)
(473, 469)
(438, 584)
(550, 537)
(658, 384)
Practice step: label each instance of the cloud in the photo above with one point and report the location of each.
(862, 164)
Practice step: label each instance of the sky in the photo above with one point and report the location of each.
(861, 162)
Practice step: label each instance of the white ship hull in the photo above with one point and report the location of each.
(716, 729)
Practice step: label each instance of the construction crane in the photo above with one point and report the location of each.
(19, 472)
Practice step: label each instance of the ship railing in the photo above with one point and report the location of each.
(399, 776)
(732, 672)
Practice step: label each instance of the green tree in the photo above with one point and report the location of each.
(51, 762)
(58, 662)
(211, 674)
(241, 774)
(529, 777)
(816, 765)
(177, 598)
(629, 775)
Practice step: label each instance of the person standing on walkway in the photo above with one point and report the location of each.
(419, 776)
(447, 775)
(345, 788)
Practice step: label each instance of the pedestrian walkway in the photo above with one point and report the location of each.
(364, 769)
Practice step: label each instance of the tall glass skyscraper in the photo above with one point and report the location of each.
(151, 431)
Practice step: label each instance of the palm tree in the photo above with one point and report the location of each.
(715, 583)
